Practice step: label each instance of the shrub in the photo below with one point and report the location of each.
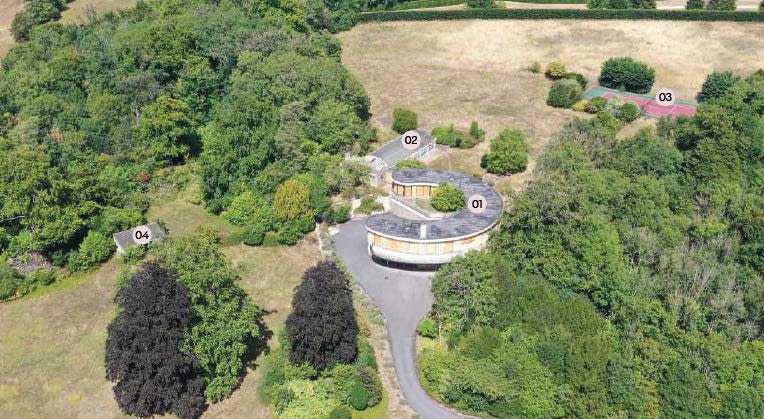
(340, 412)
(480, 4)
(95, 249)
(366, 356)
(475, 131)
(22, 25)
(253, 235)
(721, 5)
(242, 209)
(9, 279)
(580, 106)
(761, 6)
(508, 153)
(625, 73)
(579, 78)
(556, 70)
(695, 4)
(342, 214)
(321, 328)
(607, 120)
(596, 104)
(410, 164)
(564, 93)
(290, 233)
(292, 200)
(428, 328)
(628, 112)
(404, 120)
(7, 288)
(717, 84)
(451, 137)
(271, 239)
(35, 279)
(344, 376)
(281, 398)
(359, 396)
(535, 67)
(306, 224)
(372, 384)
(369, 205)
(134, 253)
(448, 198)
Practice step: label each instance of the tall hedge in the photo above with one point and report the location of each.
(534, 14)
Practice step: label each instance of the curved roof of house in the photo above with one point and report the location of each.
(460, 224)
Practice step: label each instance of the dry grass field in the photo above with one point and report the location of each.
(457, 71)
(76, 12)
(8, 9)
(51, 354)
(52, 348)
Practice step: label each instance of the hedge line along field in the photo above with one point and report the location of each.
(464, 70)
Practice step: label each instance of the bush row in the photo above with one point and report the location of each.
(421, 4)
(640, 14)
(552, 1)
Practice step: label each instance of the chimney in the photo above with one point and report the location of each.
(423, 231)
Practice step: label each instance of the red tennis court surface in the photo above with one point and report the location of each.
(649, 106)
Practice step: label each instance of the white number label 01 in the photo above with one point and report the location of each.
(477, 204)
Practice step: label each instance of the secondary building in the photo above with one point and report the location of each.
(385, 158)
(412, 235)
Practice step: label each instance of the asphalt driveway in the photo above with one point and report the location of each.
(404, 298)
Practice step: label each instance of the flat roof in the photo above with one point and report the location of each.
(461, 224)
(393, 152)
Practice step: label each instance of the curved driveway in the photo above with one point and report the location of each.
(404, 298)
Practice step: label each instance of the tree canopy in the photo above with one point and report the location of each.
(627, 276)
(143, 348)
(321, 328)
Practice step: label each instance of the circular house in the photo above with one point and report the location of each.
(411, 232)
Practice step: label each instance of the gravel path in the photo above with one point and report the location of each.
(404, 298)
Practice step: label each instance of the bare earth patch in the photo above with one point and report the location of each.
(457, 71)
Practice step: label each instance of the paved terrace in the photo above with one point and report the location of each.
(461, 224)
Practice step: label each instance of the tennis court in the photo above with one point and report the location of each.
(650, 108)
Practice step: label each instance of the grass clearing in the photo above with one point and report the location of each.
(76, 12)
(8, 9)
(53, 340)
(464, 70)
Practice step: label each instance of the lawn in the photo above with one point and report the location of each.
(51, 356)
(459, 71)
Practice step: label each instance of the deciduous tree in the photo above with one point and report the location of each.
(321, 328)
